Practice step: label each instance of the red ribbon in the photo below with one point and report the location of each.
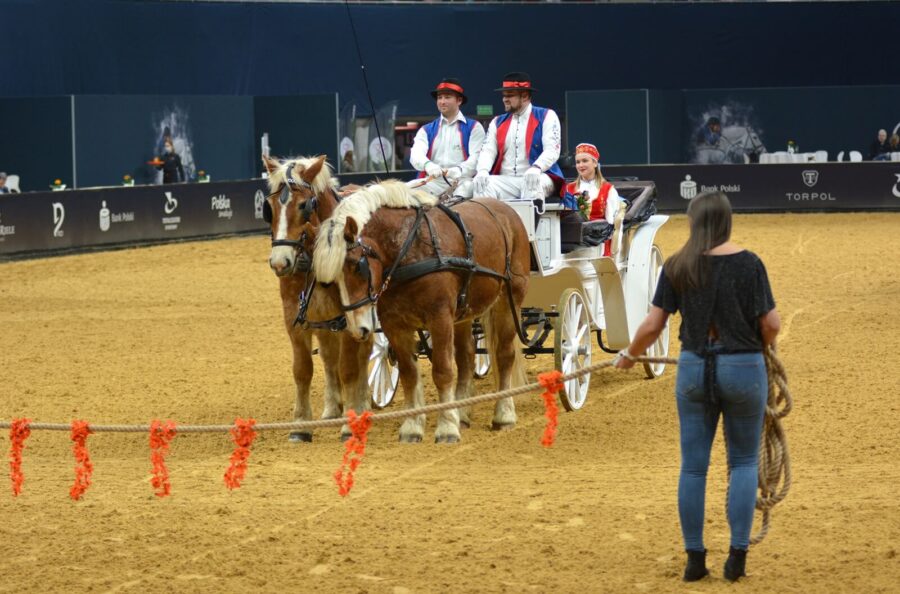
(451, 87)
(161, 435)
(18, 433)
(243, 435)
(84, 468)
(359, 427)
(550, 380)
(509, 84)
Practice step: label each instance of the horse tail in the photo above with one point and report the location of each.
(501, 338)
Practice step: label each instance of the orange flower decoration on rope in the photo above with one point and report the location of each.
(243, 435)
(84, 468)
(161, 435)
(359, 426)
(550, 380)
(18, 433)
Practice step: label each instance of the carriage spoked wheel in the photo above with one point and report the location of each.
(572, 347)
(383, 371)
(482, 360)
(660, 348)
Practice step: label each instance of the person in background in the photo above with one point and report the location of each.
(728, 317)
(601, 198)
(170, 165)
(519, 158)
(880, 148)
(894, 143)
(446, 149)
(3, 188)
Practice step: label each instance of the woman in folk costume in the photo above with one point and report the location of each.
(598, 198)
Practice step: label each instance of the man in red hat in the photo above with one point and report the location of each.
(447, 148)
(518, 159)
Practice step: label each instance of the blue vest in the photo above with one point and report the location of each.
(465, 132)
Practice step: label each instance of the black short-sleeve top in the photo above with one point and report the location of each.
(733, 300)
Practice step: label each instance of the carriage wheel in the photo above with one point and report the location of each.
(482, 360)
(383, 372)
(572, 347)
(660, 348)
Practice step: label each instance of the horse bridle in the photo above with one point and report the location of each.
(284, 196)
(363, 269)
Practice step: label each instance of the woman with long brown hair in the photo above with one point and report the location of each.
(728, 318)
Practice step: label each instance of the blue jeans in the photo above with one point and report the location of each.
(742, 388)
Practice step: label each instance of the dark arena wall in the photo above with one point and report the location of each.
(55, 47)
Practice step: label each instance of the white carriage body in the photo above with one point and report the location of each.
(616, 289)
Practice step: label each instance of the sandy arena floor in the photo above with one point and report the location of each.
(193, 332)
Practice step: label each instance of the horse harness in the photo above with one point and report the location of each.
(438, 263)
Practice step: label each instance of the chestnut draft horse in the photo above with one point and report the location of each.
(304, 192)
(426, 266)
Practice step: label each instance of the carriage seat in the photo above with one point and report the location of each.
(639, 201)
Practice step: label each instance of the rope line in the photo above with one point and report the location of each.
(339, 421)
(774, 481)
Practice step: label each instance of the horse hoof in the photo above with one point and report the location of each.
(300, 437)
(410, 438)
(495, 426)
(345, 436)
(446, 439)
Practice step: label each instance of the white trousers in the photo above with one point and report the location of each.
(512, 187)
(436, 187)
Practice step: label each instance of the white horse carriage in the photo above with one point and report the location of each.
(574, 292)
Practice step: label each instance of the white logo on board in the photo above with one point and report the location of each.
(59, 216)
(810, 177)
(258, 199)
(688, 188)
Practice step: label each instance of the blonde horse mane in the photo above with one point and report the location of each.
(323, 180)
(331, 250)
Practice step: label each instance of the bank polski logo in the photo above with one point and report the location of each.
(258, 199)
(171, 203)
(688, 188)
(104, 217)
(810, 177)
(896, 191)
(59, 216)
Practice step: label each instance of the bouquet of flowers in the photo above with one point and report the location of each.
(127, 180)
(202, 177)
(584, 205)
(578, 202)
(57, 185)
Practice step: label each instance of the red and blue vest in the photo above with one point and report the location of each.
(465, 132)
(533, 139)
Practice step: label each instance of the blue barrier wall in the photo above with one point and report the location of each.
(660, 126)
(58, 47)
(36, 141)
(117, 135)
(297, 126)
